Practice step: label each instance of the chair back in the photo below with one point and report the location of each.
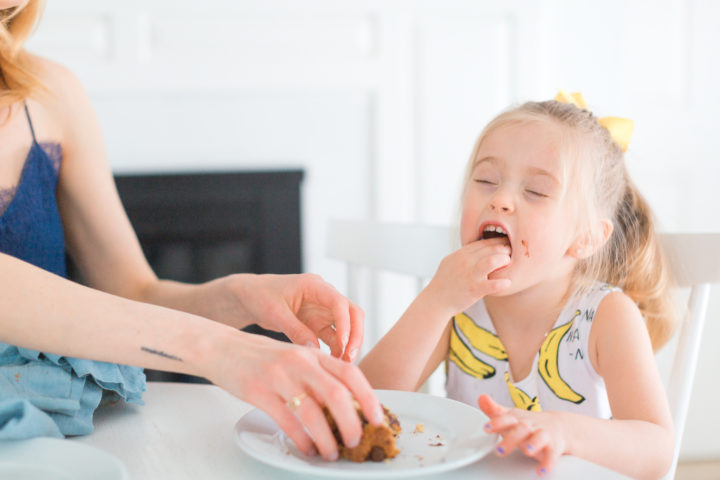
(695, 263)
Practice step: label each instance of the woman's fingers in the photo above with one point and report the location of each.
(312, 416)
(306, 386)
(359, 387)
(357, 327)
(289, 423)
(345, 318)
(328, 335)
(290, 325)
(332, 383)
(320, 292)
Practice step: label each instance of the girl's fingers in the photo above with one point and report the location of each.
(497, 286)
(540, 447)
(489, 264)
(489, 242)
(501, 424)
(534, 446)
(512, 437)
(548, 460)
(490, 407)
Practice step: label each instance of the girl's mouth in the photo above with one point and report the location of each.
(495, 231)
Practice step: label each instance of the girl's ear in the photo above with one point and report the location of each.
(590, 242)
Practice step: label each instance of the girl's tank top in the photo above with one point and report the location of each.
(30, 227)
(562, 376)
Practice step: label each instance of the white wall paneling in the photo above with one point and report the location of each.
(381, 101)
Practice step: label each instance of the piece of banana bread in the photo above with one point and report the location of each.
(377, 442)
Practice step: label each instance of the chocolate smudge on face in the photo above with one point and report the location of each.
(527, 251)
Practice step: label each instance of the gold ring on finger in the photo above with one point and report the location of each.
(295, 402)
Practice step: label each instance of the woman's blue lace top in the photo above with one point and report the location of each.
(43, 394)
(30, 227)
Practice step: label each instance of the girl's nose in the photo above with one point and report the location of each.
(502, 202)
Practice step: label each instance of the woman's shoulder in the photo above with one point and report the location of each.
(54, 76)
(61, 101)
(60, 87)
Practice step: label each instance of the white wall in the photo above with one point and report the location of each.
(380, 102)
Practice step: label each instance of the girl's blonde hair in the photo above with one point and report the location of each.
(17, 81)
(596, 175)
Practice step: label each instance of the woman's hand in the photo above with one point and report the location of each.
(537, 434)
(462, 277)
(292, 384)
(303, 307)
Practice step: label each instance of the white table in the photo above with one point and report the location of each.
(185, 431)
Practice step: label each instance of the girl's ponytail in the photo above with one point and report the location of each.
(636, 262)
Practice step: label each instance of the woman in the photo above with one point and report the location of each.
(57, 194)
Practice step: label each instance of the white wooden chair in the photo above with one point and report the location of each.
(416, 250)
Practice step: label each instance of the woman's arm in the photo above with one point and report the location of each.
(638, 441)
(106, 250)
(42, 311)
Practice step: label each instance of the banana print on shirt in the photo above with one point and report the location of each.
(548, 363)
(488, 343)
(521, 399)
(481, 339)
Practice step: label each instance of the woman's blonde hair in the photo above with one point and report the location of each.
(596, 175)
(17, 81)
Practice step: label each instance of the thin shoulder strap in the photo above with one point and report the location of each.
(32, 130)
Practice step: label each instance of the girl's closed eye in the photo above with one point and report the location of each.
(485, 181)
(541, 187)
(536, 193)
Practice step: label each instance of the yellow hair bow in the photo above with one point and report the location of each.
(621, 129)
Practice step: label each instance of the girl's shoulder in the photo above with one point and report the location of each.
(618, 325)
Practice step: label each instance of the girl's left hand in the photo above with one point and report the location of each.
(537, 434)
(304, 307)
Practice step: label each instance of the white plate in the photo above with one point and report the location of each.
(56, 459)
(453, 437)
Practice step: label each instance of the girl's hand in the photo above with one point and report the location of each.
(292, 384)
(462, 277)
(303, 307)
(538, 434)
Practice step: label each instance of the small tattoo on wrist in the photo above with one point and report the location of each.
(162, 354)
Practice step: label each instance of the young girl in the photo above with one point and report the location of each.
(549, 312)
(57, 193)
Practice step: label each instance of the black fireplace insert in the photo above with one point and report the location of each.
(194, 227)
